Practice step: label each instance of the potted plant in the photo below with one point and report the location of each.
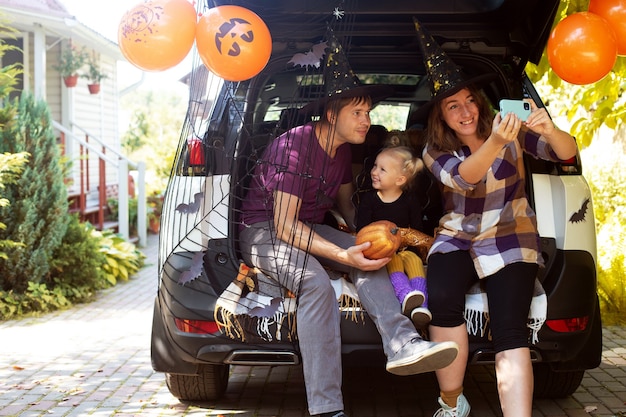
(94, 75)
(155, 207)
(72, 59)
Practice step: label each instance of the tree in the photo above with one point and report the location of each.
(154, 130)
(38, 216)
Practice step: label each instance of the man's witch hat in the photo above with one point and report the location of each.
(444, 76)
(340, 81)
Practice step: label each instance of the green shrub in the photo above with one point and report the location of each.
(86, 261)
(123, 259)
(78, 260)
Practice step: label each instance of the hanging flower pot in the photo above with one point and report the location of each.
(93, 88)
(70, 62)
(71, 80)
(94, 75)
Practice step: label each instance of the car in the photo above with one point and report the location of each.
(212, 311)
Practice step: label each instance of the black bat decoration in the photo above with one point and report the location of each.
(580, 215)
(313, 57)
(191, 207)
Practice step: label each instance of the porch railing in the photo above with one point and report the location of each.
(107, 157)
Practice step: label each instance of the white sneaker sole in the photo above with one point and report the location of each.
(436, 357)
(421, 317)
(411, 301)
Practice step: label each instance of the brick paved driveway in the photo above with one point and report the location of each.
(94, 360)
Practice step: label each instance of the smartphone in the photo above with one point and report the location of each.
(520, 107)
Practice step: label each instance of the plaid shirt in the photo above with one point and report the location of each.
(491, 219)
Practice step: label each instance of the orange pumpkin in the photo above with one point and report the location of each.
(384, 236)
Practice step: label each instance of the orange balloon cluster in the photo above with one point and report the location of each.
(157, 35)
(233, 42)
(614, 11)
(583, 47)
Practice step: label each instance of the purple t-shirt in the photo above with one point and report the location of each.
(296, 164)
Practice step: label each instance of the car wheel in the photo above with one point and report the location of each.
(210, 383)
(555, 384)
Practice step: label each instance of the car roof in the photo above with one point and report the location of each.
(517, 29)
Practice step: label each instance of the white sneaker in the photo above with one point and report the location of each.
(419, 356)
(462, 408)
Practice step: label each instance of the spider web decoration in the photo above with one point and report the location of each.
(205, 270)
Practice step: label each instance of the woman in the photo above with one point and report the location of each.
(488, 231)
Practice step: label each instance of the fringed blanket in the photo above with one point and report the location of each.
(254, 309)
(477, 311)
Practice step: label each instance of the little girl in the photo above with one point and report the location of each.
(393, 173)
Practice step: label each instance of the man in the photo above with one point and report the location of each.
(302, 174)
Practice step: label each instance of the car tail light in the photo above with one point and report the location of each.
(197, 326)
(570, 166)
(196, 151)
(577, 324)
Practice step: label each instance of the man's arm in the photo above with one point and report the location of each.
(345, 205)
(289, 229)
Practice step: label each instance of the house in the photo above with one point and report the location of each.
(86, 123)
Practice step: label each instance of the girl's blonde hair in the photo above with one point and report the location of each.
(410, 164)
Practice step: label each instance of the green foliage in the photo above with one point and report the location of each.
(86, 261)
(71, 60)
(606, 179)
(11, 167)
(123, 259)
(77, 261)
(590, 109)
(38, 213)
(37, 298)
(8, 74)
(113, 205)
(587, 107)
(156, 118)
(94, 74)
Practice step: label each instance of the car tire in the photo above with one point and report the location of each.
(209, 385)
(555, 384)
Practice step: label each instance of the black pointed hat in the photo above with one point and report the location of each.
(444, 76)
(340, 81)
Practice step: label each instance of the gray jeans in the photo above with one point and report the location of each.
(317, 312)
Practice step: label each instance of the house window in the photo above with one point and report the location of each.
(12, 57)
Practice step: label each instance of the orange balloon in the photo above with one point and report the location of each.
(233, 42)
(582, 48)
(157, 34)
(614, 11)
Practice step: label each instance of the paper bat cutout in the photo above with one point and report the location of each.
(194, 271)
(313, 57)
(267, 310)
(580, 215)
(191, 207)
